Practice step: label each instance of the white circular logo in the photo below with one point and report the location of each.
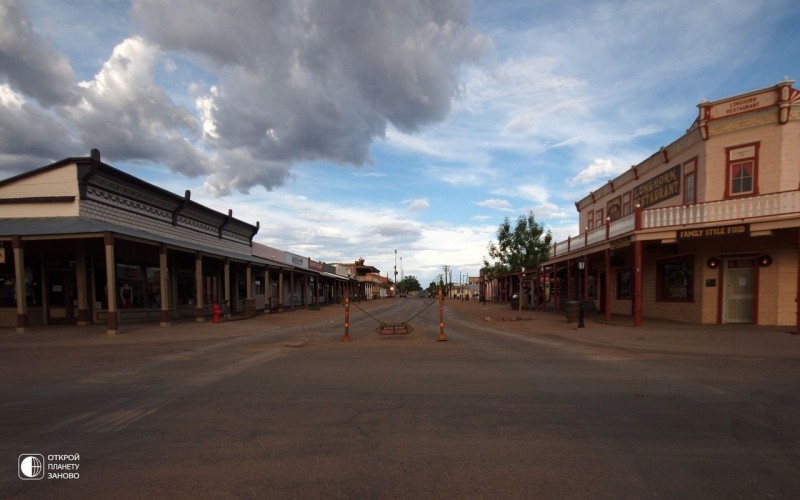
(31, 466)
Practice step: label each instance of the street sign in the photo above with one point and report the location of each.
(401, 329)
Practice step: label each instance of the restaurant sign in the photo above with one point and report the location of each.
(658, 189)
(714, 232)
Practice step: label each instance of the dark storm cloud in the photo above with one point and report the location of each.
(315, 79)
(29, 62)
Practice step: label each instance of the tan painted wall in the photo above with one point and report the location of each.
(61, 181)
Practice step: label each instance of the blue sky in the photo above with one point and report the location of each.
(353, 129)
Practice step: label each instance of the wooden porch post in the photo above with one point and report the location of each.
(198, 280)
(112, 327)
(166, 320)
(637, 283)
(608, 285)
(84, 317)
(19, 276)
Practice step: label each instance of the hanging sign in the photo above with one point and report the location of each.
(401, 329)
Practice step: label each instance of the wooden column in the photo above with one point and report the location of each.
(291, 290)
(112, 327)
(797, 292)
(268, 288)
(608, 285)
(166, 319)
(19, 276)
(249, 277)
(84, 316)
(280, 290)
(637, 283)
(226, 294)
(198, 286)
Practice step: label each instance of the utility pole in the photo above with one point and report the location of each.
(395, 273)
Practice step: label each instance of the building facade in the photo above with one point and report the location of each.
(706, 230)
(82, 242)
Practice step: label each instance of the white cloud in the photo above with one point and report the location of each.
(599, 170)
(418, 204)
(495, 203)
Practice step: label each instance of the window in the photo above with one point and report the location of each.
(742, 172)
(689, 189)
(742, 177)
(590, 220)
(626, 203)
(675, 280)
(599, 215)
(624, 284)
(689, 182)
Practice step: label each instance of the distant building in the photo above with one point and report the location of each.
(368, 279)
(706, 230)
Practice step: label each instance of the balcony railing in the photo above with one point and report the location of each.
(736, 209)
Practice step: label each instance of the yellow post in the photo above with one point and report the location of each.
(442, 338)
(346, 337)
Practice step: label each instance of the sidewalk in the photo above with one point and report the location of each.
(654, 335)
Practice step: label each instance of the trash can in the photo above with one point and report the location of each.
(515, 302)
(571, 310)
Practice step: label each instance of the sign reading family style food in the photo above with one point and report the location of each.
(659, 188)
(714, 232)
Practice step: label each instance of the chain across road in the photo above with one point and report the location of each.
(406, 321)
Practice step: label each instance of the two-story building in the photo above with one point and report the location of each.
(706, 230)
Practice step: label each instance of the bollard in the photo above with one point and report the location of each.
(346, 337)
(442, 338)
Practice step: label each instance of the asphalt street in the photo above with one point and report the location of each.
(493, 412)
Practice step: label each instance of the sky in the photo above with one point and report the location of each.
(400, 131)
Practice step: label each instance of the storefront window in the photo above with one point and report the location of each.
(131, 286)
(186, 294)
(675, 280)
(8, 287)
(625, 284)
(154, 287)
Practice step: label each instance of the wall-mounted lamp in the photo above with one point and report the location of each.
(712, 263)
(764, 260)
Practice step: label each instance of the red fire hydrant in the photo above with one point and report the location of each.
(217, 313)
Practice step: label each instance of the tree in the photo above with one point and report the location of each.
(526, 244)
(409, 284)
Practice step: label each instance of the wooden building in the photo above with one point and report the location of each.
(706, 230)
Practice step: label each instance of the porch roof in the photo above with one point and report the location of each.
(75, 226)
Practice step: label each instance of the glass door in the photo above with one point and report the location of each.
(739, 280)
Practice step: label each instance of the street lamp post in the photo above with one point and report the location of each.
(581, 265)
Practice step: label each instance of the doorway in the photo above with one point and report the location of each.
(739, 287)
(60, 296)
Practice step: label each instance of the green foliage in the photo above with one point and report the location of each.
(409, 284)
(523, 244)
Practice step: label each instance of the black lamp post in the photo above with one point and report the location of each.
(581, 265)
